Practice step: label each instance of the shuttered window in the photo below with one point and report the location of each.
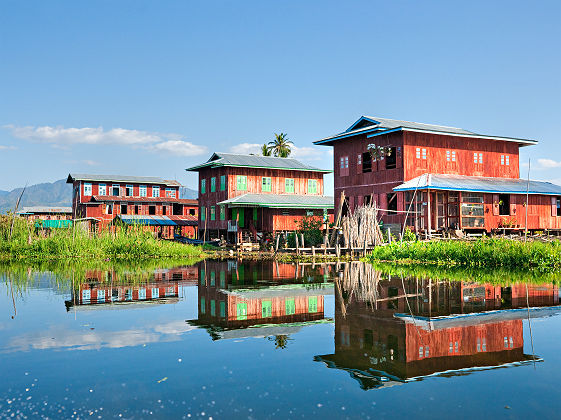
(266, 309)
(212, 213)
(102, 189)
(289, 185)
(241, 182)
(223, 183)
(87, 188)
(312, 186)
(143, 191)
(213, 184)
(312, 304)
(203, 215)
(222, 213)
(203, 186)
(290, 306)
(266, 184)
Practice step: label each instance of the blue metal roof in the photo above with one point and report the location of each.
(479, 184)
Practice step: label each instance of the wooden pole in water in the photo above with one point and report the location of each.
(277, 244)
(527, 203)
(429, 216)
(296, 239)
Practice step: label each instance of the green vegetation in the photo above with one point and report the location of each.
(482, 253)
(280, 146)
(127, 244)
(311, 228)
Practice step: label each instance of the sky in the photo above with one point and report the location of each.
(151, 88)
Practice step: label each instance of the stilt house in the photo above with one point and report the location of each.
(442, 177)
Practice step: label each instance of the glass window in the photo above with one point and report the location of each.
(266, 309)
(290, 306)
(155, 293)
(502, 159)
(241, 183)
(507, 160)
(155, 191)
(448, 155)
(143, 191)
(346, 162)
(223, 183)
(420, 352)
(266, 184)
(129, 190)
(342, 163)
(87, 188)
(212, 213)
(203, 186)
(474, 157)
(359, 159)
(453, 156)
(170, 192)
(480, 157)
(312, 186)
(418, 153)
(142, 293)
(116, 190)
(102, 189)
(212, 278)
(222, 279)
(213, 184)
(424, 154)
(289, 185)
(108, 209)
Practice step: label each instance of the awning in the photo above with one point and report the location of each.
(284, 201)
(479, 184)
(53, 224)
(135, 219)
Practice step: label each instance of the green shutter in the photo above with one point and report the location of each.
(203, 306)
(212, 307)
(241, 309)
(203, 277)
(312, 304)
(266, 309)
(241, 183)
(222, 278)
(202, 213)
(222, 213)
(290, 306)
(289, 185)
(212, 278)
(312, 186)
(255, 214)
(212, 213)
(222, 309)
(203, 186)
(213, 184)
(241, 213)
(266, 184)
(222, 182)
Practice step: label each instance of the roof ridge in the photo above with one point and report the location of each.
(415, 122)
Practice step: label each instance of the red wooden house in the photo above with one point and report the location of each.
(448, 177)
(150, 201)
(256, 195)
(48, 217)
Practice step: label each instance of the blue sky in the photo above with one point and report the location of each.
(150, 88)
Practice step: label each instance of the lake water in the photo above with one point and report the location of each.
(230, 339)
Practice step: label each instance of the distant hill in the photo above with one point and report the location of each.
(57, 193)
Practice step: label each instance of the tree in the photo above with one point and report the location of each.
(281, 146)
(265, 151)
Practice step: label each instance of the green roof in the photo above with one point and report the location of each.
(254, 161)
(286, 201)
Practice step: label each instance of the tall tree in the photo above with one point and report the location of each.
(265, 150)
(281, 146)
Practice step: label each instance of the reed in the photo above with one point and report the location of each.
(132, 243)
(481, 253)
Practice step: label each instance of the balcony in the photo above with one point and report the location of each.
(232, 226)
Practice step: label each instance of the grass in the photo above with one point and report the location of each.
(133, 243)
(481, 253)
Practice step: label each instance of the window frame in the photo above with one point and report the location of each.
(241, 182)
(143, 191)
(88, 189)
(222, 182)
(213, 184)
(100, 188)
(289, 182)
(314, 183)
(155, 191)
(266, 184)
(203, 185)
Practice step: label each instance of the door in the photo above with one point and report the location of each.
(241, 213)
(440, 210)
(241, 309)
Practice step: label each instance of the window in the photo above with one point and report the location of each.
(266, 184)
(474, 157)
(155, 191)
(290, 306)
(342, 162)
(477, 157)
(213, 307)
(170, 192)
(116, 189)
(129, 190)
(507, 160)
(502, 159)
(391, 160)
(137, 209)
(289, 185)
(450, 156)
(108, 209)
(558, 205)
(453, 156)
(102, 189)
(143, 191)
(142, 293)
(266, 309)
(366, 162)
(222, 213)
(223, 183)
(203, 305)
(152, 210)
(346, 162)
(418, 153)
(155, 293)
(504, 205)
(101, 296)
(359, 159)
(213, 184)
(472, 210)
(241, 311)
(222, 309)
(87, 188)
(164, 209)
(212, 213)
(203, 186)
(420, 352)
(203, 213)
(124, 208)
(392, 203)
(241, 183)
(424, 153)
(312, 304)
(312, 186)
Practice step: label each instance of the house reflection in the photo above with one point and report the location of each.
(103, 288)
(391, 330)
(260, 298)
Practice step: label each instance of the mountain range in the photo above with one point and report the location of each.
(57, 193)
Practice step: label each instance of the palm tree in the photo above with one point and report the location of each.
(265, 151)
(281, 146)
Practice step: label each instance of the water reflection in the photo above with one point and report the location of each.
(390, 330)
(257, 299)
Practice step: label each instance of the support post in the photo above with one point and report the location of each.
(296, 239)
(429, 216)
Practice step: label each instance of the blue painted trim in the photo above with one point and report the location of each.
(363, 118)
(393, 130)
(342, 136)
(432, 187)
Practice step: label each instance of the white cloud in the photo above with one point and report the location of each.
(179, 147)
(548, 164)
(60, 136)
(91, 162)
(2, 147)
(246, 148)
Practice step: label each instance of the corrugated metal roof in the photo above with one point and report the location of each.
(479, 184)
(254, 161)
(121, 178)
(124, 198)
(44, 209)
(378, 126)
(280, 201)
(132, 219)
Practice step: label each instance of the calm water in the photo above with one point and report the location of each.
(225, 339)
